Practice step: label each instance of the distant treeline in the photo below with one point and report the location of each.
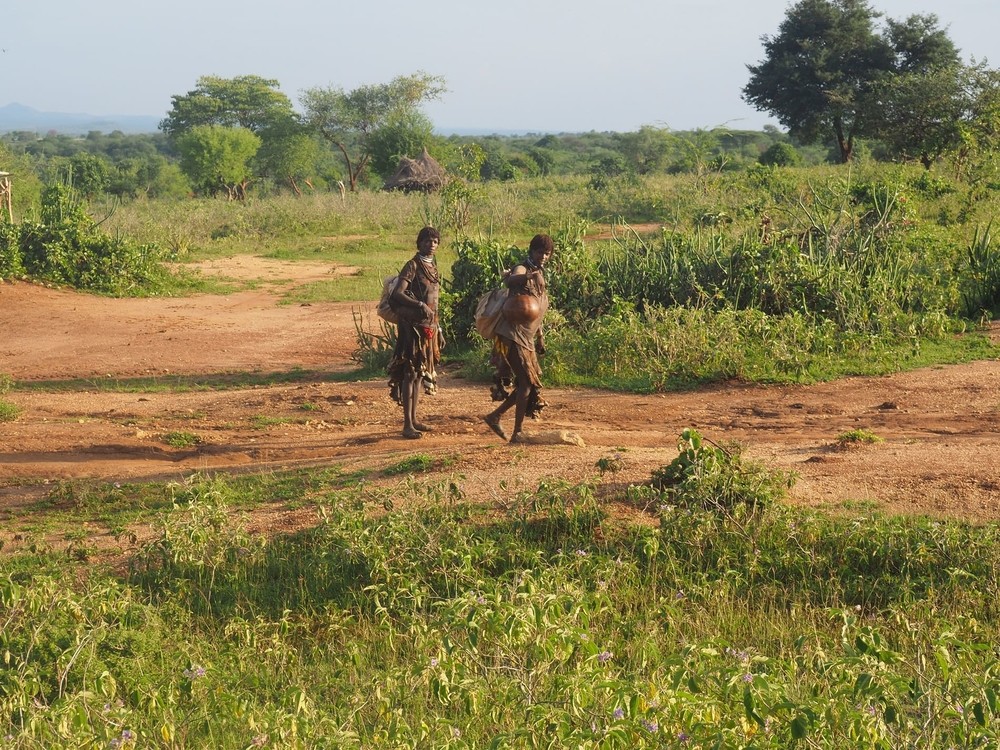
(128, 166)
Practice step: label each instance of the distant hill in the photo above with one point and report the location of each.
(19, 117)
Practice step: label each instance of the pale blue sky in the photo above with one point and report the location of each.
(523, 65)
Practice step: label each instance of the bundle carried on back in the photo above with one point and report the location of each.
(384, 309)
(489, 311)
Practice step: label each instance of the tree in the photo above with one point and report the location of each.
(646, 150)
(349, 120)
(217, 158)
(979, 153)
(404, 134)
(249, 102)
(288, 154)
(818, 70)
(920, 114)
(919, 45)
(254, 104)
(89, 175)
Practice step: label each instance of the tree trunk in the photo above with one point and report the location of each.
(351, 176)
(844, 143)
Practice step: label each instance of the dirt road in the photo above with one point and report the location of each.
(941, 426)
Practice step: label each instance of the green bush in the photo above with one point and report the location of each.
(708, 476)
(67, 247)
(781, 155)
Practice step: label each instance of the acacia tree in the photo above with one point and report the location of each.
(254, 104)
(349, 120)
(979, 153)
(288, 153)
(818, 70)
(249, 102)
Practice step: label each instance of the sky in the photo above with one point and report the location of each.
(525, 66)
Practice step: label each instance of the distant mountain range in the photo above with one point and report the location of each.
(19, 117)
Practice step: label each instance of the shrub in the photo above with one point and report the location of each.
(781, 155)
(67, 247)
(708, 476)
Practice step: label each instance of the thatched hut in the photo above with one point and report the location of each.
(423, 174)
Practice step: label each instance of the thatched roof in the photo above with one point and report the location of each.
(423, 174)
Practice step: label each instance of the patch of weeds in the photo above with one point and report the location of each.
(308, 406)
(611, 464)
(262, 422)
(8, 411)
(861, 506)
(710, 476)
(6, 382)
(415, 464)
(858, 437)
(181, 439)
(189, 415)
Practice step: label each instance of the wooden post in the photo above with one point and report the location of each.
(5, 195)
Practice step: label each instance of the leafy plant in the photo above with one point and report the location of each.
(181, 439)
(415, 464)
(9, 411)
(708, 476)
(859, 436)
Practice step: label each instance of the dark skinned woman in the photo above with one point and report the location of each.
(518, 341)
(418, 339)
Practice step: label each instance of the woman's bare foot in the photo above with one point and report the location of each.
(494, 424)
(422, 427)
(519, 437)
(411, 434)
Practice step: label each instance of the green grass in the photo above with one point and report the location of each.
(9, 411)
(262, 421)
(181, 439)
(188, 383)
(858, 437)
(473, 626)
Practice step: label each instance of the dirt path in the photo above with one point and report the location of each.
(941, 425)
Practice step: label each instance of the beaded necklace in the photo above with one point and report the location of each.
(429, 268)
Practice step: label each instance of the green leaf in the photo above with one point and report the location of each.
(977, 711)
(799, 727)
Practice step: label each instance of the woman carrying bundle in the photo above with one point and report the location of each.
(518, 341)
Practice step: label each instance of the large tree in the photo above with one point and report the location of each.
(406, 134)
(249, 102)
(818, 70)
(349, 119)
(254, 104)
(917, 109)
(829, 70)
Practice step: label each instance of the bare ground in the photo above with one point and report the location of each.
(941, 425)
